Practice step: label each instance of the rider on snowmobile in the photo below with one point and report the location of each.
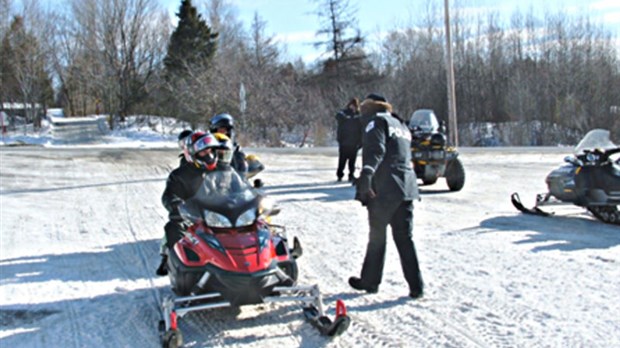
(182, 141)
(184, 182)
(224, 124)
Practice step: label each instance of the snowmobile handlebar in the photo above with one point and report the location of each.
(594, 157)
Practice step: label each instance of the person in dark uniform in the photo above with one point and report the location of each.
(183, 183)
(224, 123)
(387, 187)
(349, 137)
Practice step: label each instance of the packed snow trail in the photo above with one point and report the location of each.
(79, 243)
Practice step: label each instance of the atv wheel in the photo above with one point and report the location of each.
(455, 175)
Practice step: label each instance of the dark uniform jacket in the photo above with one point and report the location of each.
(349, 132)
(182, 184)
(387, 157)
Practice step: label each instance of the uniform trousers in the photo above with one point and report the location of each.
(399, 215)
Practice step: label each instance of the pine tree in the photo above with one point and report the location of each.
(24, 78)
(191, 44)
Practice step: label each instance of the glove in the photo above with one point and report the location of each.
(364, 192)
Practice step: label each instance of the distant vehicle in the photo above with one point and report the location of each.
(55, 112)
(432, 157)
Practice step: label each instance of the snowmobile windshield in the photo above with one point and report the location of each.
(226, 195)
(424, 120)
(595, 139)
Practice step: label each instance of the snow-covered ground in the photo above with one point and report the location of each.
(80, 230)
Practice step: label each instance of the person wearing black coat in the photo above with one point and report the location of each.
(182, 184)
(387, 186)
(349, 137)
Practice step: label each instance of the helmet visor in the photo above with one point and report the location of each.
(204, 142)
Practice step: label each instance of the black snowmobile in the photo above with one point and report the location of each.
(589, 179)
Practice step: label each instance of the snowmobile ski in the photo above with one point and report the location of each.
(516, 201)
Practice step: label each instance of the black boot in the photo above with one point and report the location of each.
(357, 284)
(416, 294)
(162, 270)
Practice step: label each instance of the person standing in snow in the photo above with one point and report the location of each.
(349, 137)
(183, 183)
(387, 187)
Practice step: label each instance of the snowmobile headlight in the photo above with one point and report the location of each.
(591, 158)
(247, 218)
(214, 219)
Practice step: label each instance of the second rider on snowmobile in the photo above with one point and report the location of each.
(224, 124)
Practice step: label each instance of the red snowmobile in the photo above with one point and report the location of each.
(231, 255)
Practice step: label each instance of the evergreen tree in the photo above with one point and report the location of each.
(24, 78)
(192, 43)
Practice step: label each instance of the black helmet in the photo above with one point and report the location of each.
(182, 137)
(222, 121)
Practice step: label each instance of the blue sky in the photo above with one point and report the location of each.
(294, 22)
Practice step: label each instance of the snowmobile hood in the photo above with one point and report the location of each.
(226, 196)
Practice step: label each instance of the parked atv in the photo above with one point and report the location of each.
(432, 157)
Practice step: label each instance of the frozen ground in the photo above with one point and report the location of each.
(79, 245)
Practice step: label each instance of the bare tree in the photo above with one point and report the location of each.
(126, 40)
(339, 25)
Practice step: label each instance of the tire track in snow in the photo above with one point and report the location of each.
(129, 218)
(307, 213)
(494, 318)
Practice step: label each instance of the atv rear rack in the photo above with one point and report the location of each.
(309, 296)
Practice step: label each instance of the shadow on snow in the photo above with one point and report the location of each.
(565, 233)
(127, 317)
